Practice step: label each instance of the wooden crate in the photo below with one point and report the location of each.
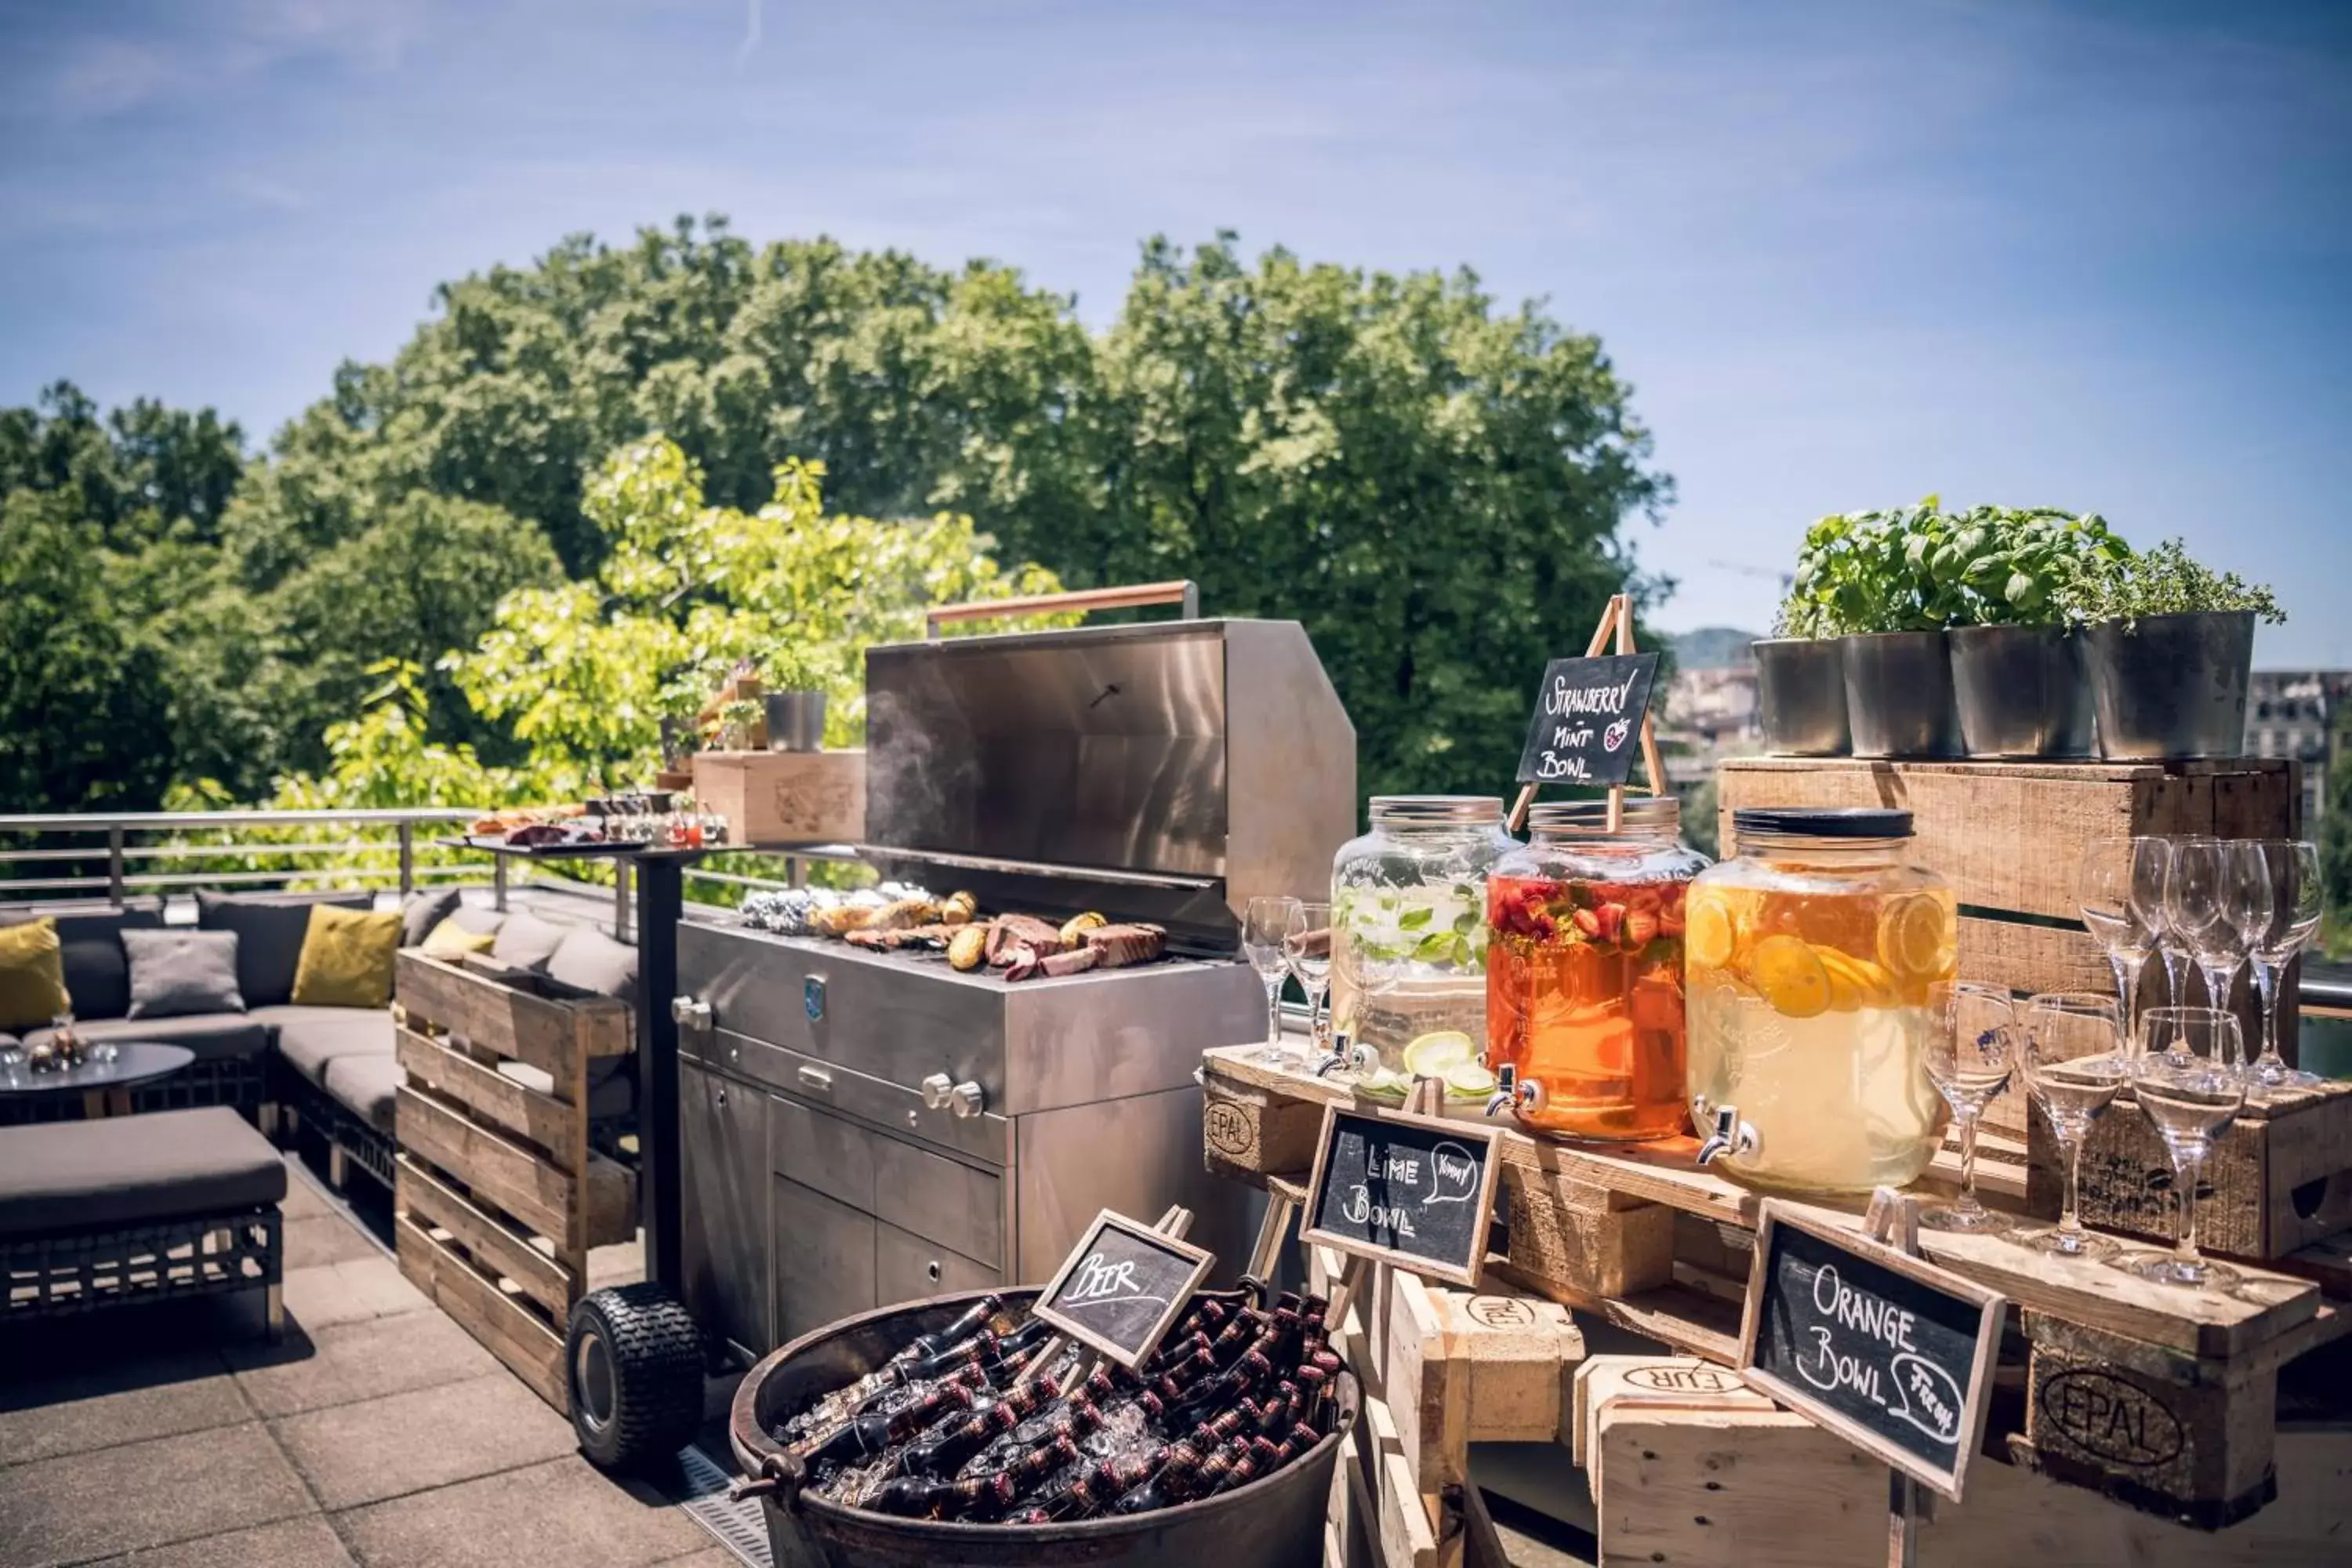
(497, 1196)
(1700, 1476)
(2218, 1352)
(2279, 1179)
(785, 797)
(2010, 837)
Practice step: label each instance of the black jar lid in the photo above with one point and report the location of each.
(1823, 822)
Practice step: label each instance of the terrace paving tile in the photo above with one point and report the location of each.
(289, 1543)
(380, 1448)
(348, 1362)
(77, 1408)
(352, 1291)
(326, 1238)
(78, 1507)
(711, 1556)
(561, 1511)
(303, 1199)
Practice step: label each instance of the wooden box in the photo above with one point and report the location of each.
(2010, 837)
(497, 1196)
(2278, 1180)
(785, 797)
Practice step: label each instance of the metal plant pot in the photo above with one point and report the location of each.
(796, 721)
(2172, 686)
(1801, 694)
(2022, 691)
(1899, 695)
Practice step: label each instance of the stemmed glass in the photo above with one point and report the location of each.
(2122, 880)
(2069, 1052)
(2154, 906)
(1264, 924)
(1306, 948)
(1970, 1058)
(2274, 939)
(2187, 1083)
(2215, 886)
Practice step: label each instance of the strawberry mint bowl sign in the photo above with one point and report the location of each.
(1122, 1287)
(1891, 1354)
(1588, 720)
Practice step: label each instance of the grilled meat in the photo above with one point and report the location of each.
(838, 920)
(903, 937)
(1123, 945)
(1009, 934)
(1031, 965)
(902, 914)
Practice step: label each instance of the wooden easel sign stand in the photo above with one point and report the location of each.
(1584, 714)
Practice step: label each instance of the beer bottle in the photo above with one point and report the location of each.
(864, 1437)
(982, 1497)
(1171, 1484)
(942, 1452)
(1099, 1486)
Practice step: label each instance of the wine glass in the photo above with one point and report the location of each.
(2070, 1054)
(2216, 887)
(2273, 940)
(2185, 1081)
(2119, 880)
(1970, 1058)
(1306, 948)
(1265, 924)
(2150, 899)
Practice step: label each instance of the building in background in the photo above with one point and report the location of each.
(2292, 713)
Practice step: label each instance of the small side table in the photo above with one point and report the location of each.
(104, 1087)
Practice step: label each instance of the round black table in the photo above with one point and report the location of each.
(105, 1086)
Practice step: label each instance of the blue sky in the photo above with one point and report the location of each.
(2091, 255)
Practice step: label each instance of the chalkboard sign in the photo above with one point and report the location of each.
(1415, 1191)
(1890, 1352)
(1588, 720)
(1122, 1287)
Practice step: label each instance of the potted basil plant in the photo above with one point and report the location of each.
(2019, 676)
(1860, 580)
(2170, 647)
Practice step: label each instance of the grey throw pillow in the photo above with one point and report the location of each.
(271, 928)
(527, 942)
(174, 973)
(421, 912)
(589, 959)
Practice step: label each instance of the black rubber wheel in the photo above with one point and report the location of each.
(633, 1362)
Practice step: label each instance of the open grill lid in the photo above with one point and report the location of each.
(1166, 772)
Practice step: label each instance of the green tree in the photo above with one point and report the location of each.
(141, 472)
(2336, 840)
(82, 709)
(1433, 487)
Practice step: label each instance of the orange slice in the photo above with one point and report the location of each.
(1707, 937)
(1915, 937)
(1849, 987)
(1789, 974)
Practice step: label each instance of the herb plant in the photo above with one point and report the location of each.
(2164, 581)
(1919, 568)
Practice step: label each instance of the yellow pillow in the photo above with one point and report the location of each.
(347, 958)
(32, 976)
(451, 942)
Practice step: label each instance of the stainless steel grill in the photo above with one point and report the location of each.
(865, 1127)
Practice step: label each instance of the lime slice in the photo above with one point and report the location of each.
(1431, 1055)
(1468, 1079)
(1386, 1085)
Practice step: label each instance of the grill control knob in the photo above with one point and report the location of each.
(687, 1011)
(968, 1099)
(937, 1089)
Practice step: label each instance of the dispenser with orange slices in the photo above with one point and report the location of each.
(1818, 962)
(1584, 972)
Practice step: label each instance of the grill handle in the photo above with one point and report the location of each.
(1185, 593)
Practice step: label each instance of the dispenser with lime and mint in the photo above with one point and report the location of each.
(1409, 940)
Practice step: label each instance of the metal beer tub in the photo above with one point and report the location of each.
(1273, 1522)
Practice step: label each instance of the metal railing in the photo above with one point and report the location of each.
(376, 845)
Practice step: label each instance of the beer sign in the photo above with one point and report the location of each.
(1121, 1287)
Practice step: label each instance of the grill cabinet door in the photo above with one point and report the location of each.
(824, 1260)
(723, 1234)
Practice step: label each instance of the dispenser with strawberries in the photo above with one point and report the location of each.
(1585, 1021)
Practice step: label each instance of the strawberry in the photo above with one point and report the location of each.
(1641, 927)
(1640, 901)
(1670, 921)
(1589, 922)
(1611, 919)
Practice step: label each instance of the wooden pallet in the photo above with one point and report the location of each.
(2009, 838)
(498, 1198)
(1642, 1238)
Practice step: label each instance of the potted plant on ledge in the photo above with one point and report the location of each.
(2019, 676)
(2171, 647)
(1862, 579)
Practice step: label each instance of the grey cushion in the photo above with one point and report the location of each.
(98, 978)
(269, 930)
(526, 941)
(612, 1084)
(477, 917)
(367, 1086)
(211, 1035)
(311, 1038)
(98, 1175)
(176, 973)
(589, 959)
(421, 912)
